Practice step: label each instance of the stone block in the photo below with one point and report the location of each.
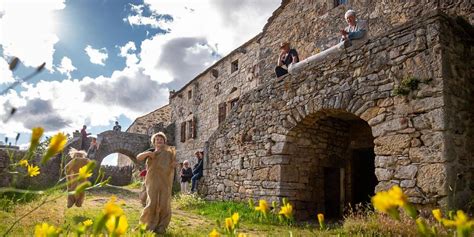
(432, 179)
(391, 145)
(406, 172)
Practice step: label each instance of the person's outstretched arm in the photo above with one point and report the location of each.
(144, 155)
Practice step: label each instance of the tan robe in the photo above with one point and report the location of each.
(72, 170)
(159, 181)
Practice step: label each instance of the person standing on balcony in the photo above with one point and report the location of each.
(355, 30)
(286, 57)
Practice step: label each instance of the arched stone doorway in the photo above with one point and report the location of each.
(331, 160)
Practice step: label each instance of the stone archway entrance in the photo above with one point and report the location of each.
(332, 154)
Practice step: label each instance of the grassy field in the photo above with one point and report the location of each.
(191, 217)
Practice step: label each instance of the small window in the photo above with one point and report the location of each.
(190, 94)
(183, 131)
(339, 2)
(234, 66)
(222, 112)
(214, 73)
(233, 103)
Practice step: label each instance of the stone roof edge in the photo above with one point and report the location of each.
(134, 121)
(255, 38)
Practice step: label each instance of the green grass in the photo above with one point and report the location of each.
(192, 216)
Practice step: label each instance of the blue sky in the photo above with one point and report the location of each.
(109, 60)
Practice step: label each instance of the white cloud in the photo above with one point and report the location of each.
(153, 21)
(28, 30)
(66, 105)
(97, 56)
(66, 67)
(216, 27)
(6, 76)
(128, 52)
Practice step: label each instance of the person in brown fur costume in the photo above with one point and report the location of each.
(79, 159)
(161, 164)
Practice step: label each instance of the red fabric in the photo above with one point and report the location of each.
(143, 173)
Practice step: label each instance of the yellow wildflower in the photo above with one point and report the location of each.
(387, 200)
(321, 221)
(229, 224)
(88, 223)
(33, 170)
(84, 172)
(112, 209)
(461, 220)
(287, 211)
(56, 145)
(235, 218)
(214, 233)
(117, 225)
(437, 214)
(262, 207)
(242, 235)
(23, 163)
(46, 230)
(35, 138)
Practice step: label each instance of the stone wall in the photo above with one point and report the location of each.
(310, 25)
(313, 25)
(148, 124)
(255, 153)
(49, 172)
(120, 176)
(200, 99)
(458, 119)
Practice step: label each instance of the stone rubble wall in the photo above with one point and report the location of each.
(313, 25)
(361, 82)
(120, 176)
(207, 93)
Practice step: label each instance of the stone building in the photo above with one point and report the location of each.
(395, 108)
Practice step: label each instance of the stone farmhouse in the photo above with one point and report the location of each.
(394, 108)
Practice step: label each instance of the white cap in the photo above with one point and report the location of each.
(349, 13)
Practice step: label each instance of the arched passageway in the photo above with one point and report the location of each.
(331, 160)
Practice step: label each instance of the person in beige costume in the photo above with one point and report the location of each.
(79, 159)
(160, 163)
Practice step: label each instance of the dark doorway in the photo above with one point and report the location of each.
(363, 175)
(332, 192)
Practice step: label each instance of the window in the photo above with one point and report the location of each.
(190, 94)
(234, 66)
(214, 73)
(183, 131)
(194, 130)
(339, 2)
(222, 112)
(190, 129)
(233, 103)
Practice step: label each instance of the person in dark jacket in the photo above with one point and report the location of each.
(286, 57)
(197, 171)
(186, 175)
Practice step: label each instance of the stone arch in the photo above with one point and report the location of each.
(129, 144)
(330, 162)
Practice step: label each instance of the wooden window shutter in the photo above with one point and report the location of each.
(183, 131)
(222, 112)
(194, 130)
(190, 129)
